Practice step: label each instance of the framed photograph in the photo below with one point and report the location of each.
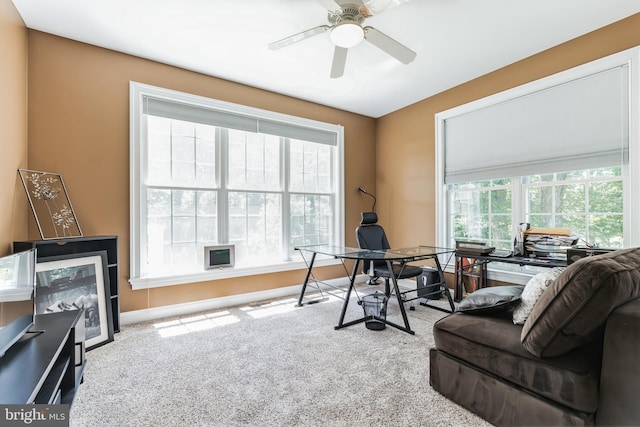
(50, 204)
(74, 282)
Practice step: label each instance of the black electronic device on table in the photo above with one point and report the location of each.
(474, 248)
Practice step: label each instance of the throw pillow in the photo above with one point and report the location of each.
(492, 300)
(532, 292)
(574, 308)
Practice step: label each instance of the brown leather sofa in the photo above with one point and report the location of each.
(575, 361)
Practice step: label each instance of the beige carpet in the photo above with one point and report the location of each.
(266, 364)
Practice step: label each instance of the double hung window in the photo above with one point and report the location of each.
(560, 152)
(206, 172)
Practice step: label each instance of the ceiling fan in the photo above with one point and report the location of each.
(346, 30)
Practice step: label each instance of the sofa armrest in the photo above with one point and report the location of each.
(620, 376)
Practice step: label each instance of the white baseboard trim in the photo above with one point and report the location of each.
(138, 316)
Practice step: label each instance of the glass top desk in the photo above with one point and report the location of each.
(390, 256)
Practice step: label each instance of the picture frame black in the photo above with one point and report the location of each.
(74, 282)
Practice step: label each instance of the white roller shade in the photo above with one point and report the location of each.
(225, 119)
(580, 124)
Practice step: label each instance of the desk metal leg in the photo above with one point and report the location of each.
(352, 280)
(459, 286)
(406, 327)
(476, 269)
(306, 282)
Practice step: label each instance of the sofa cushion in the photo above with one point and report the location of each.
(532, 292)
(496, 299)
(573, 310)
(492, 344)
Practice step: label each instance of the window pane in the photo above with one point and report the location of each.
(180, 153)
(205, 156)
(158, 203)
(471, 202)
(183, 153)
(581, 206)
(543, 221)
(501, 230)
(470, 226)
(183, 202)
(309, 167)
(501, 201)
(184, 229)
(570, 198)
(159, 150)
(254, 161)
(540, 200)
(179, 223)
(311, 220)
(483, 214)
(605, 197)
(255, 226)
(207, 211)
(605, 230)
(576, 223)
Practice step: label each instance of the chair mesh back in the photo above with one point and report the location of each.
(371, 236)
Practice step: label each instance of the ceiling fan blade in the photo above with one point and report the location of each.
(389, 45)
(298, 37)
(377, 6)
(339, 61)
(330, 5)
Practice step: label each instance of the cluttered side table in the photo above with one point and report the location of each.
(472, 260)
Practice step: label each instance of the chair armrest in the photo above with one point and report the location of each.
(620, 375)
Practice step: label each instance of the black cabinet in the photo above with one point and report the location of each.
(77, 245)
(47, 365)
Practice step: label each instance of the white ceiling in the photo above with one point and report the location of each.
(456, 41)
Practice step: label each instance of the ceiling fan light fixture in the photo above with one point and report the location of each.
(347, 34)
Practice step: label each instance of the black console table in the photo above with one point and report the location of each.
(478, 268)
(45, 367)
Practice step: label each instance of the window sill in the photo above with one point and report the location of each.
(148, 282)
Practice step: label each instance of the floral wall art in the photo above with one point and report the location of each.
(50, 204)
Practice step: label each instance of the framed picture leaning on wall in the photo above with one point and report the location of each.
(50, 204)
(75, 282)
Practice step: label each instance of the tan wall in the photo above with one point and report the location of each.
(13, 122)
(79, 127)
(406, 171)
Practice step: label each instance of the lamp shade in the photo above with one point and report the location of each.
(346, 34)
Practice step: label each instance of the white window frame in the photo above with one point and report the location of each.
(136, 161)
(631, 174)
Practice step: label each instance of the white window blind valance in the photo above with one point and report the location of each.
(231, 120)
(580, 124)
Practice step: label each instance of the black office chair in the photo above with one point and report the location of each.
(371, 235)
